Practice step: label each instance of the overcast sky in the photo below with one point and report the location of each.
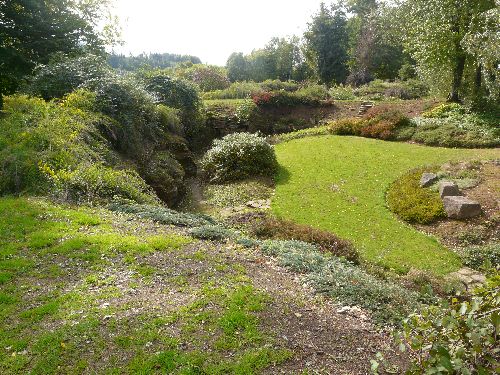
(212, 29)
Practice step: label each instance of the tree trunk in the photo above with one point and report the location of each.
(458, 72)
(478, 80)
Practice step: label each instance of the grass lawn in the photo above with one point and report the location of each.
(339, 183)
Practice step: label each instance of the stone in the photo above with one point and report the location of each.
(458, 207)
(448, 188)
(428, 179)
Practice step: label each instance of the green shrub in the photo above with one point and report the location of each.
(237, 90)
(276, 99)
(206, 77)
(96, 183)
(413, 203)
(481, 257)
(316, 131)
(275, 228)
(313, 93)
(346, 126)
(277, 85)
(66, 74)
(456, 337)
(245, 111)
(211, 232)
(161, 214)
(238, 156)
(468, 131)
(345, 283)
(444, 110)
(342, 92)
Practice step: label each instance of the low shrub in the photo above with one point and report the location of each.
(282, 99)
(277, 85)
(413, 203)
(161, 214)
(458, 337)
(211, 232)
(342, 92)
(380, 122)
(275, 228)
(378, 90)
(316, 131)
(313, 93)
(481, 257)
(444, 110)
(96, 183)
(343, 282)
(238, 156)
(237, 90)
(467, 131)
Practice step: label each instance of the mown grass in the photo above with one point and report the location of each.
(65, 305)
(339, 184)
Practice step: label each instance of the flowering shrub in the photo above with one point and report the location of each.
(237, 156)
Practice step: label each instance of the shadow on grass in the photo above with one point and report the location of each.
(282, 176)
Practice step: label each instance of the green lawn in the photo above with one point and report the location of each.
(339, 183)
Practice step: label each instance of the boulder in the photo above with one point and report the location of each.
(458, 207)
(448, 188)
(428, 179)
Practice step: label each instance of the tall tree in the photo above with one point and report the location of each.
(238, 67)
(327, 44)
(434, 33)
(32, 30)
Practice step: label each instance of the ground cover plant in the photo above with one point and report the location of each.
(413, 203)
(346, 179)
(446, 125)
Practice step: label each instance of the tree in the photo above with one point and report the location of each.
(31, 31)
(434, 33)
(327, 44)
(237, 67)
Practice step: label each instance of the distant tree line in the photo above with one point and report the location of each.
(452, 45)
(149, 60)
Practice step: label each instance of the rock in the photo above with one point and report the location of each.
(448, 188)
(468, 277)
(428, 179)
(458, 207)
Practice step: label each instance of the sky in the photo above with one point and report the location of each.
(210, 29)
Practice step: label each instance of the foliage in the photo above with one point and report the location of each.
(96, 183)
(327, 44)
(378, 90)
(338, 184)
(444, 110)
(341, 92)
(277, 85)
(313, 93)
(481, 257)
(468, 131)
(459, 337)
(65, 74)
(413, 203)
(211, 232)
(310, 132)
(345, 283)
(237, 156)
(434, 34)
(379, 122)
(276, 228)
(149, 61)
(283, 99)
(237, 90)
(160, 214)
(206, 77)
(56, 26)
